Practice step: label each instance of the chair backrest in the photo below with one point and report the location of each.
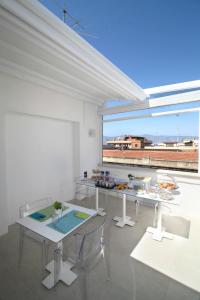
(90, 244)
(33, 206)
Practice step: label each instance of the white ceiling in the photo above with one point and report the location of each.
(37, 45)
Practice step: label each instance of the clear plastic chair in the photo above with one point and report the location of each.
(24, 211)
(82, 192)
(89, 250)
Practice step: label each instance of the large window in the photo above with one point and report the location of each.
(154, 138)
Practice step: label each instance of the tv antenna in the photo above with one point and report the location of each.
(70, 20)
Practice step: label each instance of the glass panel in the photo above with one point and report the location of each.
(167, 142)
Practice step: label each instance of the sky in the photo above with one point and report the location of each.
(159, 126)
(155, 42)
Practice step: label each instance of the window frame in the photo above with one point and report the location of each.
(154, 115)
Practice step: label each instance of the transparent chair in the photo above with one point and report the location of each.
(24, 211)
(89, 250)
(82, 192)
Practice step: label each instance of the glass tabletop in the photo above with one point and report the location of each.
(154, 196)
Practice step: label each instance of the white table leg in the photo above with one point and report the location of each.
(155, 214)
(100, 211)
(137, 209)
(124, 220)
(59, 270)
(159, 232)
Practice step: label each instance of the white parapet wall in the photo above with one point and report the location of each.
(154, 162)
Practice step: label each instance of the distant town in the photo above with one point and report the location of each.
(180, 153)
(139, 142)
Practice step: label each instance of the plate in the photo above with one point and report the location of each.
(166, 196)
(152, 195)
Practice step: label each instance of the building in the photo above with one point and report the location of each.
(170, 144)
(186, 143)
(130, 142)
(190, 142)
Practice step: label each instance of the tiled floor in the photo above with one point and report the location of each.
(25, 282)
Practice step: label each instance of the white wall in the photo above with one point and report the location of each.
(33, 115)
(39, 160)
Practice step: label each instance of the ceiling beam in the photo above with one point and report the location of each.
(154, 115)
(152, 103)
(173, 87)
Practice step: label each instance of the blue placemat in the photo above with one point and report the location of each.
(67, 222)
(38, 216)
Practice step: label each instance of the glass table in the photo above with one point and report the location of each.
(157, 232)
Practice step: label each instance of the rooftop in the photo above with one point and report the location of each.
(57, 92)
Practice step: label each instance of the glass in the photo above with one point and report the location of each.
(57, 215)
(107, 173)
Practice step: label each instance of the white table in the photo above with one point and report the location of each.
(178, 259)
(59, 270)
(121, 221)
(157, 233)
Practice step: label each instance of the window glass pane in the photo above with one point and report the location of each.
(169, 142)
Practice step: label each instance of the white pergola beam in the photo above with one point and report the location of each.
(154, 115)
(173, 87)
(152, 103)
